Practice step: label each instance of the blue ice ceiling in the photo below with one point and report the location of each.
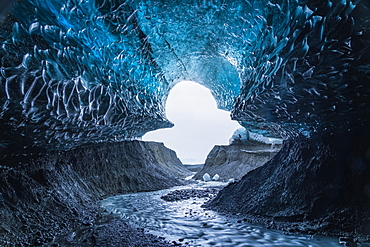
(75, 72)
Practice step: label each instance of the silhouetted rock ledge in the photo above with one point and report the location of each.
(234, 161)
(48, 198)
(319, 185)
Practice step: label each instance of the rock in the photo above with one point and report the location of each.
(113, 232)
(55, 192)
(313, 185)
(234, 161)
(186, 194)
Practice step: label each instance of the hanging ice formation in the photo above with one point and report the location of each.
(80, 71)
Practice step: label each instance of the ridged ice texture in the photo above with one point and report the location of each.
(74, 72)
(309, 71)
(79, 71)
(300, 64)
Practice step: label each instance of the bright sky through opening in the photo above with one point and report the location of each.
(199, 125)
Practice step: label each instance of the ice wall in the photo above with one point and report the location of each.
(74, 72)
(309, 71)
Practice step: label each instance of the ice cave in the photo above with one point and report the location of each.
(82, 80)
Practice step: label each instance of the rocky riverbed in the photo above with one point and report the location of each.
(178, 215)
(51, 198)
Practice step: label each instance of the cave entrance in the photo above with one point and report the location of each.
(199, 125)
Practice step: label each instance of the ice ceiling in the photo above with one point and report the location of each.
(80, 71)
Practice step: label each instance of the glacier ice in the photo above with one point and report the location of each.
(80, 71)
(206, 177)
(243, 136)
(240, 136)
(231, 181)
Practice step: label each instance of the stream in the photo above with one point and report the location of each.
(186, 222)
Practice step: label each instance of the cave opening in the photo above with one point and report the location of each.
(82, 81)
(198, 123)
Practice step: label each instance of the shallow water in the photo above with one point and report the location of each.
(187, 223)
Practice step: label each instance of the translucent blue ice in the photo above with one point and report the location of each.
(80, 71)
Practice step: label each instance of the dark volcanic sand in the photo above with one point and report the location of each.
(111, 231)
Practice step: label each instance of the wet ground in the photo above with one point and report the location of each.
(177, 215)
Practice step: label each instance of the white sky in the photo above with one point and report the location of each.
(199, 125)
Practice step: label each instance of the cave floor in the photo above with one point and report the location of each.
(178, 216)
